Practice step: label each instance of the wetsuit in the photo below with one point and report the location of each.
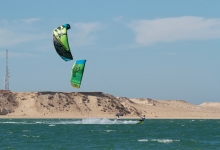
(142, 119)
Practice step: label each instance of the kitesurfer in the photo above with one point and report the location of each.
(117, 118)
(142, 118)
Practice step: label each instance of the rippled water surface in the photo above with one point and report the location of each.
(95, 133)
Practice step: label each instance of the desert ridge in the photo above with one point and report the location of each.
(98, 105)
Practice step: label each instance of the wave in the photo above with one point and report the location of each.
(52, 122)
(106, 121)
(159, 140)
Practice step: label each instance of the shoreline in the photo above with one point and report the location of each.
(99, 117)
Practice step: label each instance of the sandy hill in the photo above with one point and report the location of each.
(98, 105)
(210, 104)
(94, 104)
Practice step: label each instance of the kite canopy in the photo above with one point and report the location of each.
(77, 73)
(60, 41)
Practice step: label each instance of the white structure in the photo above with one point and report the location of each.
(6, 78)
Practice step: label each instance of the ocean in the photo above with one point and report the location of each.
(107, 134)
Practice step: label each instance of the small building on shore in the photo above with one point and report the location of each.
(5, 91)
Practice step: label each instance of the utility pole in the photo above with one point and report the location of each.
(7, 73)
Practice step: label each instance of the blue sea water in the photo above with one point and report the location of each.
(95, 133)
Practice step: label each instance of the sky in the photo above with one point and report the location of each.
(167, 50)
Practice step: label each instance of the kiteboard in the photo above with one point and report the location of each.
(140, 122)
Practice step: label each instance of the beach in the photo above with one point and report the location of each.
(49, 104)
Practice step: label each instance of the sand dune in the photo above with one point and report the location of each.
(97, 105)
(210, 104)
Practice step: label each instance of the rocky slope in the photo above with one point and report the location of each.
(97, 104)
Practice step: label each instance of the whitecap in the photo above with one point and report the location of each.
(35, 136)
(11, 122)
(164, 140)
(143, 140)
(109, 130)
(105, 121)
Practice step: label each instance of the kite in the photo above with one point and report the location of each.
(60, 41)
(77, 73)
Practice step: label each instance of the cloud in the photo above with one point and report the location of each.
(84, 34)
(11, 38)
(19, 32)
(24, 31)
(175, 29)
(31, 20)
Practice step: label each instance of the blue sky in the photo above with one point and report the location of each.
(137, 49)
